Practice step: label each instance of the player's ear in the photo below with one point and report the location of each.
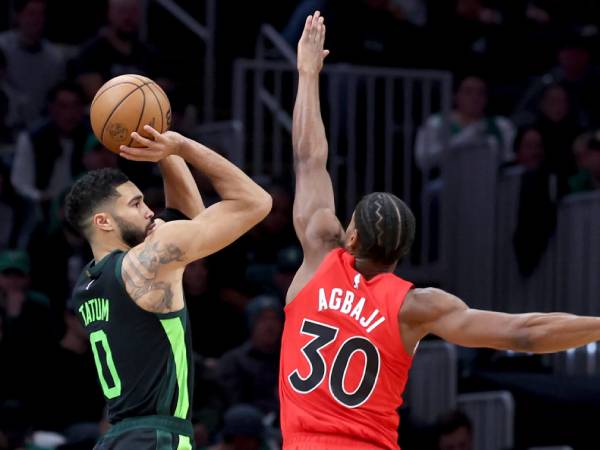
(352, 241)
(103, 221)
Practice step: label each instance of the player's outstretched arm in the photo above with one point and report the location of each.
(243, 204)
(432, 311)
(314, 208)
(315, 222)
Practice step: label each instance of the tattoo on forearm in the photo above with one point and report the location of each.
(139, 273)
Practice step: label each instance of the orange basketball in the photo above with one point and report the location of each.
(124, 105)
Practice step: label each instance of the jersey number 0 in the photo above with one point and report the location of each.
(323, 336)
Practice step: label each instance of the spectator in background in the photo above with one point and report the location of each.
(206, 308)
(95, 156)
(536, 214)
(27, 311)
(249, 373)
(13, 105)
(275, 279)
(69, 253)
(556, 121)
(27, 333)
(255, 252)
(576, 74)
(243, 429)
(49, 157)
(72, 393)
(588, 176)
(8, 211)
(116, 50)
(529, 148)
(455, 432)
(469, 28)
(580, 147)
(467, 124)
(35, 65)
(276, 231)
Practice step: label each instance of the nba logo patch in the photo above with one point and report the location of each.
(356, 280)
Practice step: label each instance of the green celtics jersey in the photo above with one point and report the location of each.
(144, 360)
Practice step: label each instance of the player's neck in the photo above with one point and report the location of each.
(370, 269)
(101, 249)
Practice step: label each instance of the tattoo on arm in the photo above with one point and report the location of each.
(139, 273)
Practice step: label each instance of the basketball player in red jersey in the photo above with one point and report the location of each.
(352, 326)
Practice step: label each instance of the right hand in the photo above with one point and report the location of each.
(155, 149)
(310, 46)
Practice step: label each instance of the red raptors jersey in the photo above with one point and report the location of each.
(343, 366)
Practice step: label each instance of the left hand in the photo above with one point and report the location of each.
(310, 47)
(155, 149)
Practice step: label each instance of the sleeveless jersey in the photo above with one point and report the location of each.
(343, 366)
(143, 359)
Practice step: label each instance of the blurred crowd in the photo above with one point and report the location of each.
(526, 82)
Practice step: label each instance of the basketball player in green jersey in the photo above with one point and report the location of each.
(130, 298)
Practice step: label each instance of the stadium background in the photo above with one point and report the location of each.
(481, 114)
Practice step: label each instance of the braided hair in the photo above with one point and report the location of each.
(385, 226)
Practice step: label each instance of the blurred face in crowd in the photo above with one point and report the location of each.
(555, 104)
(31, 21)
(593, 162)
(574, 62)
(267, 331)
(66, 110)
(459, 439)
(471, 98)
(13, 280)
(279, 217)
(124, 17)
(580, 148)
(530, 152)
(195, 278)
(98, 158)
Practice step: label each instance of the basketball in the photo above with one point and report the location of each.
(124, 105)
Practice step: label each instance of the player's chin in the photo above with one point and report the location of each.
(151, 229)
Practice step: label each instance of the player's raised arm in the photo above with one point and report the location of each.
(314, 208)
(181, 191)
(432, 311)
(243, 204)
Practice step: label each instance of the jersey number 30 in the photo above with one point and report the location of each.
(323, 336)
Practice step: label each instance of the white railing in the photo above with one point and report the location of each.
(205, 32)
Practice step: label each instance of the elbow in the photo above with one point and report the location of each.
(530, 340)
(262, 206)
(307, 151)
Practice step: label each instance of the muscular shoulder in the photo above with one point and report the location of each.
(323, 227)
(426, 305)
(148, 277)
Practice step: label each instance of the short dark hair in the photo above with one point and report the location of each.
(521, 132)
(90, 191)
(452, 421)
(20, 5)
(385, 226)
